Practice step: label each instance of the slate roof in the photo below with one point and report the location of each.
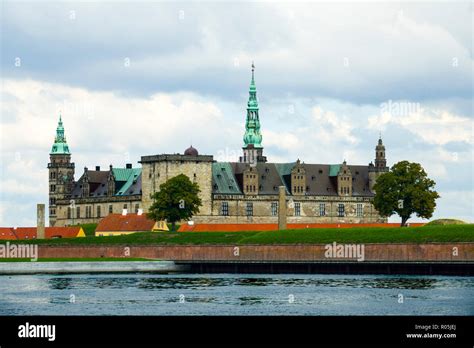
(321, 179)
(128, 181)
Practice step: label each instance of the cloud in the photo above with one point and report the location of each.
(306, 49)
(132, 80)
(433, 126)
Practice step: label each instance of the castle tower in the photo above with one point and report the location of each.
(60, 171)
(253, 149)
(380, 164)
(380, 161)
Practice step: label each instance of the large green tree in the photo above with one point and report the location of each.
(405, 190)
(178, 199)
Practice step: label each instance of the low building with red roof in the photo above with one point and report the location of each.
(120, 224)
(25, 233)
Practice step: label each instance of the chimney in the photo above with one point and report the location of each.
(140, 212)
(129, 166)
(124, 212)
(97, 168)
(40, 221)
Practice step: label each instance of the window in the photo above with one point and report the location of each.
(68, 212)
(78, 212)
(297, 209)
(225, 208)
(137, 206)
(340, 210)
(274, 208)
(249, 209)
(111, 209)
(359, 211)
(98, 211)
(125, 206)
(322, 209)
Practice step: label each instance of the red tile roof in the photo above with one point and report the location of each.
(274, 227)
(24, 233)
(62, 232)
(126, 223)
(6, 233)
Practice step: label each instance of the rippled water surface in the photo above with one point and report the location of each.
(231, 294)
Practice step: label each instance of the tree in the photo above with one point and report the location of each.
(177, 200)
(405, 190)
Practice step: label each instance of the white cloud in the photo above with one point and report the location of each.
(101, 128)
(433, 126)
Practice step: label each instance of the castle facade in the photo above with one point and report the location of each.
(245, 191)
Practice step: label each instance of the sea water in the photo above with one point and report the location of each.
(235, 294)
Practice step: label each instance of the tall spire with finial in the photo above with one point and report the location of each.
(60, 146)
(253, 149)
(252, 134)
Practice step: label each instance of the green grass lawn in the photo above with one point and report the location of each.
(424, 234)
(71, 259)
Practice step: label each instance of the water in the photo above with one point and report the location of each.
(232, 294)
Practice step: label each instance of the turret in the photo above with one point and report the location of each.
(380, 166)
(60, 171)
(380, 161)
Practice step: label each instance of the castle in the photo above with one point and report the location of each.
(231, 192)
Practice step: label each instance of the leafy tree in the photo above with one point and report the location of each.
(405, 190)
(177, 200)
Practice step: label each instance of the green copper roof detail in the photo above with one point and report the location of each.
(127, 175)
(60, 146)
(223, 179)
(334, 169)
(123, 174)
(252, 134)
(284, 169)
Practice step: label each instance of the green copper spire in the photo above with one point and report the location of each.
(60, 146)
(252, 134)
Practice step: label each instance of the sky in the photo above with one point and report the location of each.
(142, 78)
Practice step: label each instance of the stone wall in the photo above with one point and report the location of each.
(117, 204)
(310, 252)
(155, 173)
(309, 210)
